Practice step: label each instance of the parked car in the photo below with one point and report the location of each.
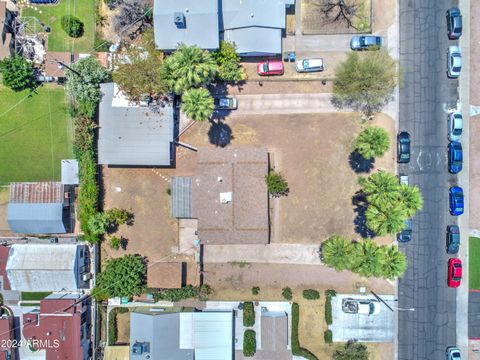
(270, 67)
(403, 147)
(403, 179)
(455, 126)
(454, 23)
(406, 234)
(453, 353)
(454, 272)
(363, 306)
(456, 200)
(455, 157)
(454, 62)
(309, 65)
(225, 103)
(453, 239)
(369, 42)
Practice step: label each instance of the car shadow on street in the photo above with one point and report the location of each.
(359, 164)
(220, 133)
(360, 203)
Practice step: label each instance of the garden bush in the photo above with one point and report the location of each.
(276, 184)
(311, 294)
(296, 349)
(115, 242)
(287, 293)
(248, 314)
(72, 26)
(187, 292)
(255, 290)
(249, 343)
(328, 306)
(112, 324)
(328, 336)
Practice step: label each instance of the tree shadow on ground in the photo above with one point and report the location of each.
(219, 134)
(123, 243)
(359, 164)
(360, 203)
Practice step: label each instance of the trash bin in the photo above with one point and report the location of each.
(292, 56)
(286, 56)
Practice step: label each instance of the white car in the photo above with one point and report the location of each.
(403, 179)
(363, 306)
(309, 65)
(455, 126)
(454, 62)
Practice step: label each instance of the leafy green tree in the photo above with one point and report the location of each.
(393, 262)
(115, 242)
(276, 184)
(83, 84)
(390, 220)
(98, 223)
(287, 293)
(124, 277)
(188, 67)
(197, 104)
(72, 25)
(351, 351)
(141, 76)
(368, 258)
(365, 82)
(229, 68)
(338, 252)
(17, 73)
(117, 216)
(372, 142)
(411, 198)
(381, 189)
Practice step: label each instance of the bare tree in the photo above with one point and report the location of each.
(132, 15)
(340, 10)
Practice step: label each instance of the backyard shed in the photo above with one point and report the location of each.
(181, 197)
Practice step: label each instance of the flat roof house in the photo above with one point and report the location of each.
(181, 336)
(134, 134)
(61, 328)
(38, 208)
(47, 267)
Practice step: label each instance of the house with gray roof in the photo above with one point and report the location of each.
(39, 208)
(181, 336)
(132, 134)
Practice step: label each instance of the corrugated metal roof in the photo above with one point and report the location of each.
(255, 41)
(133, 135)
(213, 335)
(70, 172)
(181, 197)
(36, 218)
(259, 13)
(201, 23)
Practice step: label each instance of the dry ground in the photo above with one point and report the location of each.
(123, 328)
(4, 194)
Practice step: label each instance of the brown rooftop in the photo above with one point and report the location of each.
(229, 196)
(36, 193)
(52, 67)
(164, 275)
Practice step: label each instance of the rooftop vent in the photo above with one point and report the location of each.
(179, 20)
(226, 197)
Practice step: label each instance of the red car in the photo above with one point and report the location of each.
(454, 272)
(270, 67)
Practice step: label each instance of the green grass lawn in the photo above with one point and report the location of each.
(473, 261)
(58, 40)
(35, 135)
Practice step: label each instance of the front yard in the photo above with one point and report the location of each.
(36, 134)
(50, 15)
(473, 261)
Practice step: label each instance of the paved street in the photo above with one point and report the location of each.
(424, 100)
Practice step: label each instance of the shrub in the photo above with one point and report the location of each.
(101, 44)
(296, 349)
(311, 294)
(276, 184)
(248, 314)
(372, 141)
(112, 324)
(115, 242)
(97, 224)
(187, 292)
(255, 290)
(249, 343)
(72, 26)
(17, 73)
(330, 292)
(328, 307)
(328, 336)
(117, 216)
(287, 293)
(351, 350)
(228, 61)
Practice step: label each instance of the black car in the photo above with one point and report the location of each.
(406, 234)
(454, 23)
(403, 147)
(453, 239)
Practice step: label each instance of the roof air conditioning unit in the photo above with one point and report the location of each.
(87, 277)
(179, 20)
(225, 197)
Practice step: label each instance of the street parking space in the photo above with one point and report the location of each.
(362, 327)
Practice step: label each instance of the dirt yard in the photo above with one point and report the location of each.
(123, 326)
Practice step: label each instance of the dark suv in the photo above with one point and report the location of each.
(403, 147)
(454, 23)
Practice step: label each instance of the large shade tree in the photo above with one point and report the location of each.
(17, 73)
(197, 104)
(368, 258)
(188, 67)
(338, 252)
(372, 141)
(365, 82)
(229, 68)
(383, 221)
(393, 262)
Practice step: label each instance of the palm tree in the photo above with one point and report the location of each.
(393, 262)
(188, 67)
(338, 252)
(388, 221)
(371, 142)
(381, 189)
(411, 199)
(197, 104)
(368, 256)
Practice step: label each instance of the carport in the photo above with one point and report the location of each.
(365, 328)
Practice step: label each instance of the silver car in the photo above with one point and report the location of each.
(453, 353)
(309, 65)
(455, 126)
(454, 62)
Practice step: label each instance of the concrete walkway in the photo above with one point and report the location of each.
(267, 254)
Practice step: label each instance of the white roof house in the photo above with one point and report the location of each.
(46, 267)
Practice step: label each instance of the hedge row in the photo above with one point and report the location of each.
(248, 314)
(112, 324)
(328, 306)
(187, 292)
(311, 294)
(296, 348)
(249, 343)
(328, 336)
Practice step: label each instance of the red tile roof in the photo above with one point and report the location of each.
(36, 192)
